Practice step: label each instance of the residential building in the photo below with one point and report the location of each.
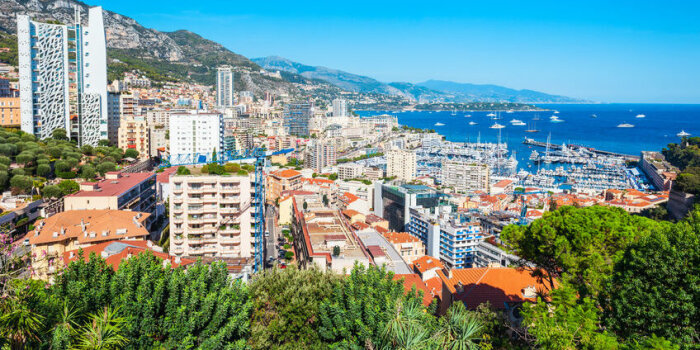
(465, 177)
(114, 116)
(350, 171)
(322, 154)
(158, 137)
(450, 237)
(118, 191)
(401, 164)
(410, 247)
(197, 134)
(71, 230)
(503, 288)
(224, 87)
(503, 186)
(280, 181)
(5, 89)
(10, 112)
(297, 116)
(116, 252)
(350, 201)
(340, 108)
(211, 216)
(63, 80)
(660, 172)
(393, 203)
(134, 133)
(488, 254)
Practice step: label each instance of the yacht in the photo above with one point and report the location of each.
(513, 121)
(518, 123)
(682, 134)
(491, 114)
(439, 124)
(625, 125)
(468, 116)
(555, 119)
(534, 155)
(640, 116)
(594, 116)
(472, 123)
(510, 111)
(497, 126)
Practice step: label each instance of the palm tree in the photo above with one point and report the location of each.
(406, 329)
(103, 331)
(65, 329)
(19, 324)
(459, 329)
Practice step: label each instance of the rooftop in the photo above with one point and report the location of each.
(286, 174)
(400, 237)
(410, 280)
(114, 252)
(90, 226)
(112, 186)
(425, 263)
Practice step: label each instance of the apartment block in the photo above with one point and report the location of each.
(134, 133)
(297, 117)
(322, 154)
(401, 164)
(466, 177)
(282, 180)
(9, 112)
(410, 247)
(211, 216)
(224, 86)
(350, 171)
(198, 133)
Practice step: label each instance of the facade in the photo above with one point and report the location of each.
(410, 247)
(224, 86)
(196, 133)
(401, 164)
(450, 237)
(297, 117)
(118, 191)
(340, 108)
(322, 154)
(211, 216)
(660, 172)
(113, 117)
(281, 181)
(135, 134)
(350, 171)
(63, 77)
(5, 90)
(465, 177)
(10, 112)
(158, 139)
(393, 203)
(70, 230)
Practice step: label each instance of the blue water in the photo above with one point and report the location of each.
(652, 133)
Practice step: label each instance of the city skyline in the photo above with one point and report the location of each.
(624, 52)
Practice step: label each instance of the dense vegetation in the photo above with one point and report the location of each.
(685, 156)
(48, 167)
(622, 281)
(10, 57)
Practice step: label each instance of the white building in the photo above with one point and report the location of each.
(196, 133)
(211, 216)
(402, 164)
(350, 171)
(63, 72)
(340, 108)
(224, 86)
(465, 177)
(322, 154)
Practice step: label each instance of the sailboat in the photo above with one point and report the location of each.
(532, 128)
(439, 124)
(546, 152)
(473, 123)
(454, 111)
(682, 134)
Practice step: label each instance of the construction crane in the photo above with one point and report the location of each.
(256, 156)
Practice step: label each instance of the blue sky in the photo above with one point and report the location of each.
(608, 51)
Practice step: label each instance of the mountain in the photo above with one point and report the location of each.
(432, 90)
(163, 56)
(486, 92)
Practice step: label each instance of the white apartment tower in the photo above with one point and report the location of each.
(211, 216)
(63, 77)
(323, 154)
(224, 86)
(466, 177)
(196, 133)
(401, 164)
(340, 108)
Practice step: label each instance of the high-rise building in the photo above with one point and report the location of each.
(297, 116)
(393, 203)
(340, 108)
(401, 164)
(322, 154)
(113, 117)
(63, 77)
(135, 134)
(196, 133)
(211, 216)
(224, 86)
(465, 177)
(5, 90)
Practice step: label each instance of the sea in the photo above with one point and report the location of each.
(591, 125)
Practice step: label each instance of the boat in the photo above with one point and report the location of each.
(534, 155)
(510, 111)
(473, 123)
(518, 123)
(640, 116)
(491, 114)
(454, 112)
(497, 126)
(555, 119)
(439, 124)
(625, 125)
(556, 112)
(682, 134)
(513, 121)
(594, 116)
(468, 116)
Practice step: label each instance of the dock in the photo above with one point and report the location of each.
(552, 146)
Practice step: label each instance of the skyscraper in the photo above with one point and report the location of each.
(340, 108)
(401, 164)
(196, 133)
(296, 118)
(63, 77)
(224, 86)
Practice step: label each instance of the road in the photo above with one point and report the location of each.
(271, 225)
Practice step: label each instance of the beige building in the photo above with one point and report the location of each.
(350, 171)
(321, 155)
(282, 180)
(70, 230)
(466, 177)
(9, 112)
(409, 246)
(158, 140)
(135, 134)
(401, 164)
(211, 216)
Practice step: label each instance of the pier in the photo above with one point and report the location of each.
(552, 146)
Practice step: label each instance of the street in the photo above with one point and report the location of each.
(271, 240)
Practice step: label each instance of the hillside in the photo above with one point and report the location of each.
(487, 92)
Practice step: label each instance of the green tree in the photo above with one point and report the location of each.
(59, 134)
(131, 153)
(43, 170)
(52, 191)
(103, 331)
(106, 167)
(21, 183)
(459, 329)
(182, 170)
(656, 286)
(20, 323)
(68, 187)
(87, 150)
(581, 244)
(88, 172)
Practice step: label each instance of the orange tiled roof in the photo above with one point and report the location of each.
(89, 226)
(495, 285)
(425, 263)
(400, 237)
(503, 183)
(286, 173)
(411, 280)
(350, 213)
(349, 197)
(122, 250)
